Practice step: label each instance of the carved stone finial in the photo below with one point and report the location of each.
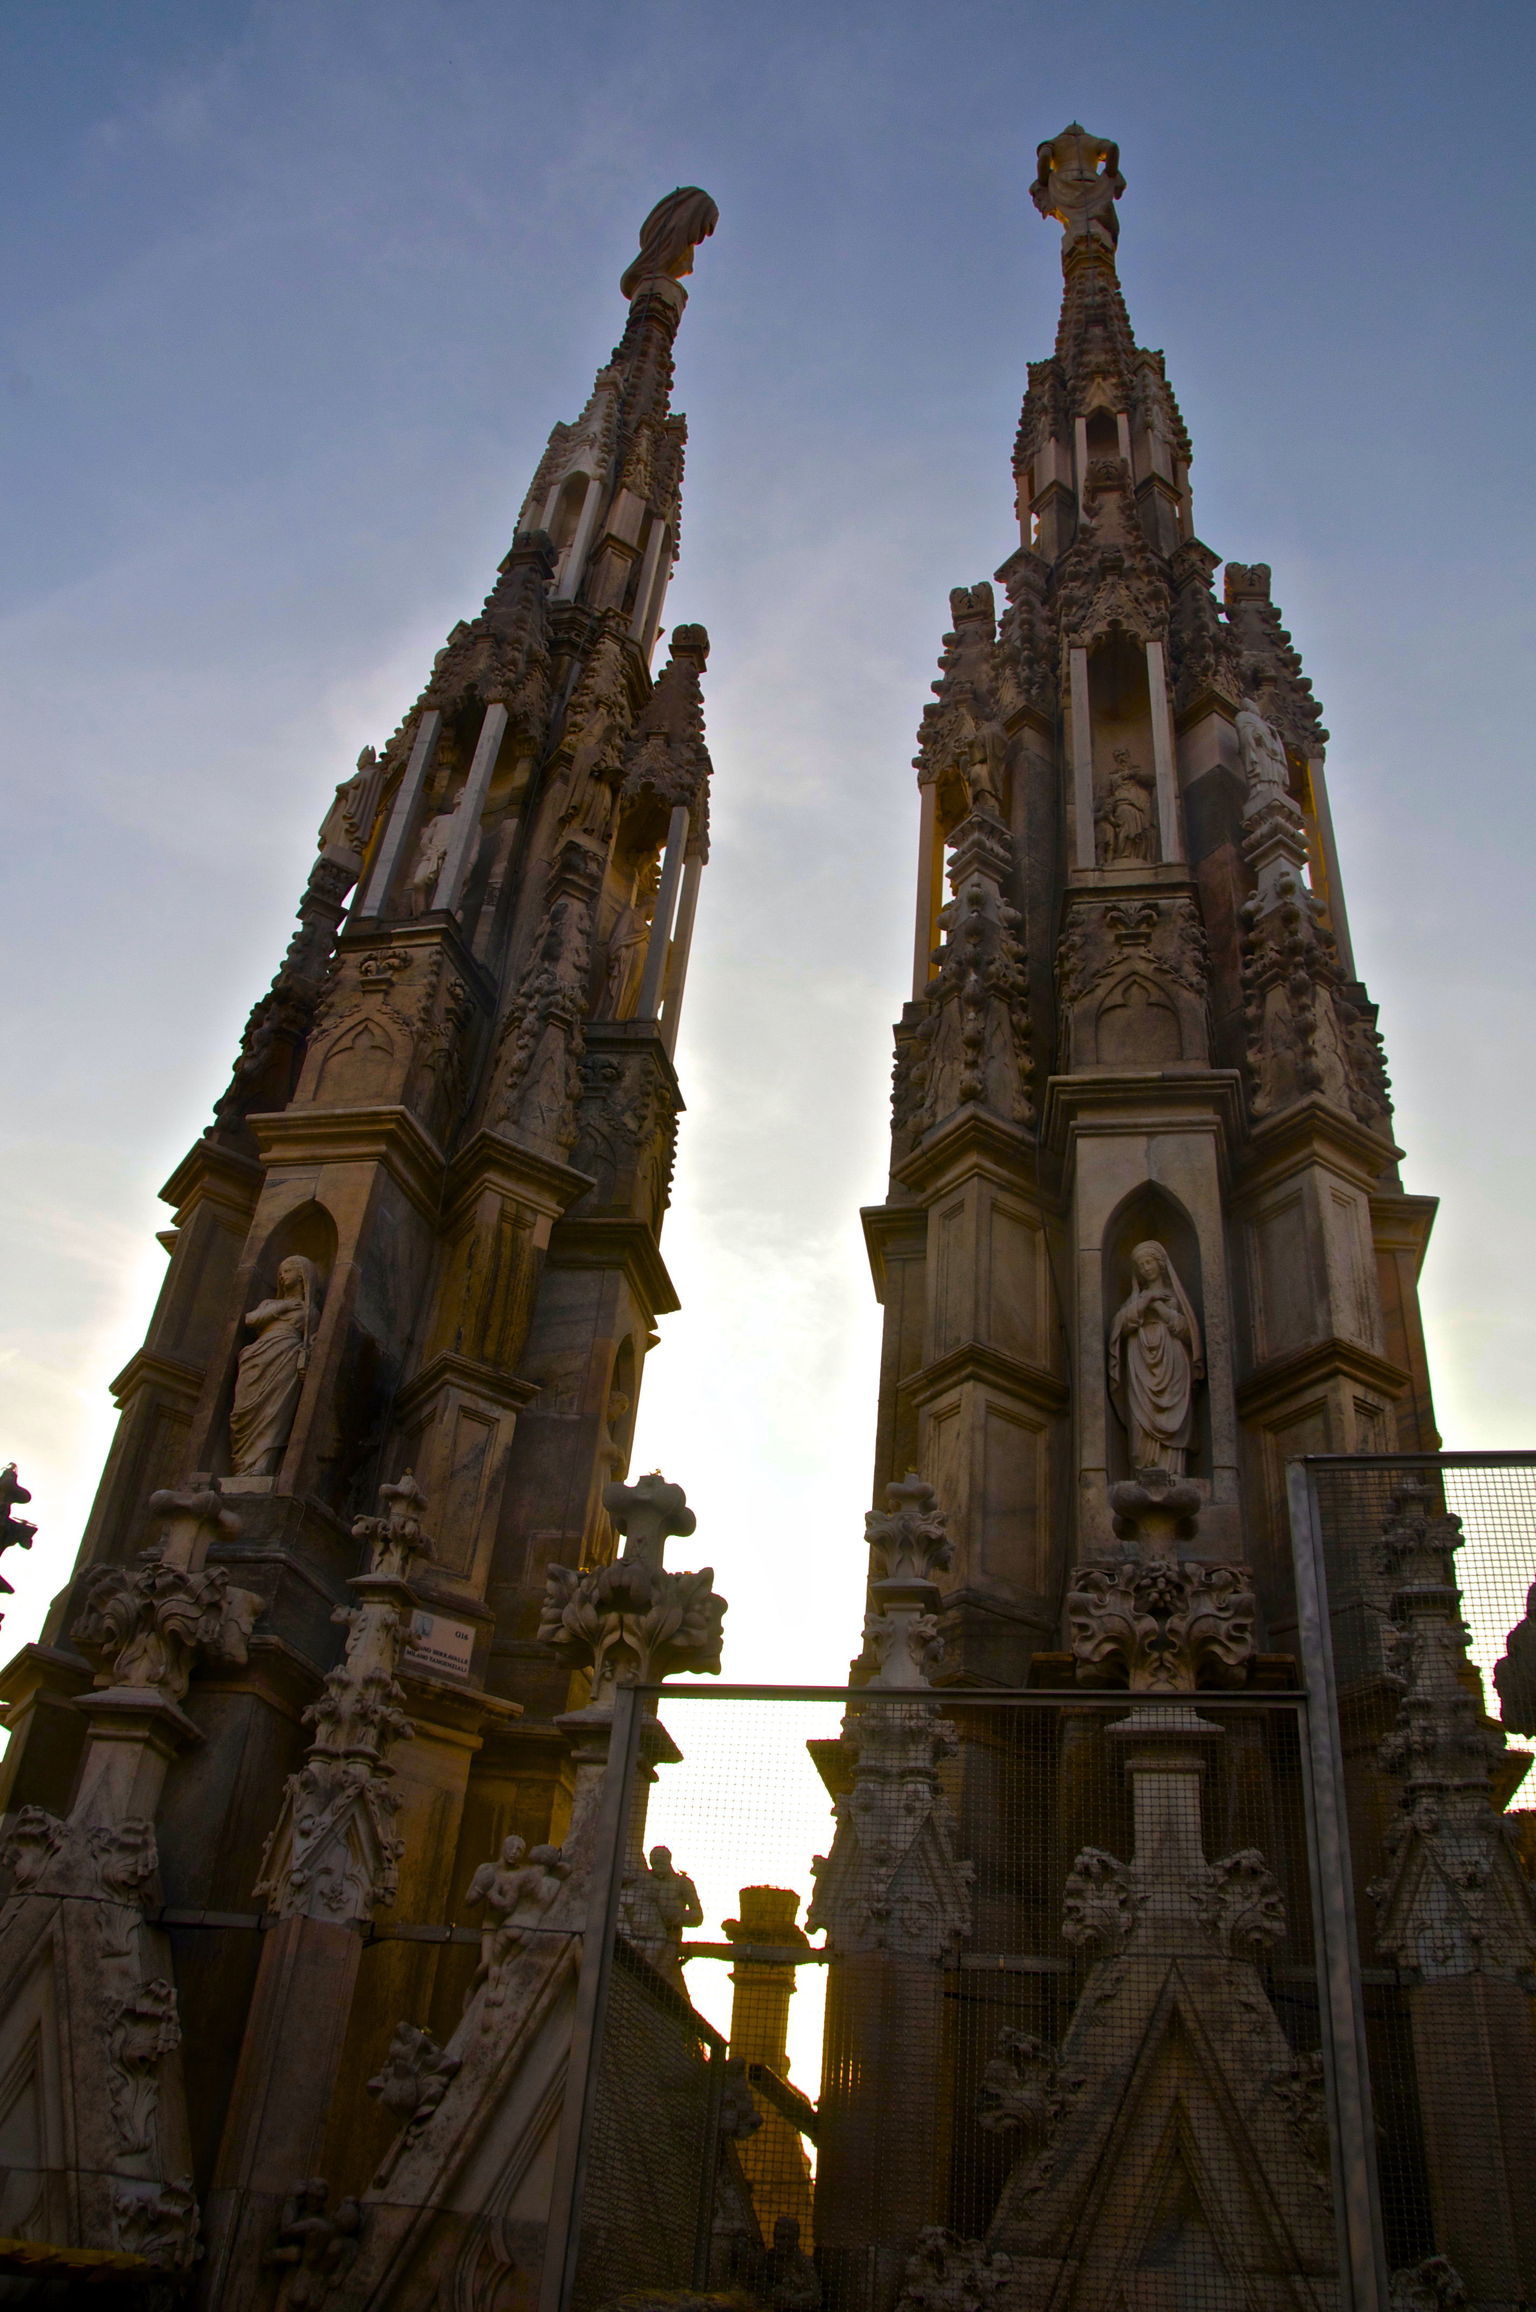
(668, 238)
(398, 1538)
(1078, 183)
(647, 1514)
(634, 1618)
(909, 1544)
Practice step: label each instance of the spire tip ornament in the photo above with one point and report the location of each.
(668, 238)
(1078, 182)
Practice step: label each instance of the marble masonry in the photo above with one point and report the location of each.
(336, 1965)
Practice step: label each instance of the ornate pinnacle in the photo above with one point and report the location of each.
(333, 1853)
(910, 1544)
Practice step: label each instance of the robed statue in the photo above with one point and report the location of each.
(271, 1370)
(1155, 1360)
(1079, 183)
(669, 236)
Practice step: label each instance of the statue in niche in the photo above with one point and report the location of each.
(1126, 821)
(1078, 182)
(627, 947)
(1263, 755)
(432, 846)
(349, 822)
(668, 238)
(1154, 1362)
(270, 1373)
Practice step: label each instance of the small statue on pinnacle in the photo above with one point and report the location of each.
(1078, 183)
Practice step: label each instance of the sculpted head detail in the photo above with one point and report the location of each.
(669, 236)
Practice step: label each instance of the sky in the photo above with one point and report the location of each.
(290, 295)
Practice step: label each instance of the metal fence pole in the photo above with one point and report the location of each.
(562, 2243)
(1352, 2132)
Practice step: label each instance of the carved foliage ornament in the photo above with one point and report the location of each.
(151, 1620)
(1163, 1627)
(946, 2273)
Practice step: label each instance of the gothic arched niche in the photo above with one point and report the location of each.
(1124, 787)
(274, 1345)
(1150, 1215)
(1136, 1026)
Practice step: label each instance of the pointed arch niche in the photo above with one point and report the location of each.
(1150, 1212)
(309, 1232)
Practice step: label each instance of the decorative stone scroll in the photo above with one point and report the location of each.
(1161, 1628)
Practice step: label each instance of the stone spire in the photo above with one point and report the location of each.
(422, 1231)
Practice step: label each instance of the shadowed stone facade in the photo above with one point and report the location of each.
(414, 1276)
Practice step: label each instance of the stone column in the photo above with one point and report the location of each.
(88, 2004)
(649, 1000)
(766, 1938)
(460, 855)
(402, 817)
(1085, 853)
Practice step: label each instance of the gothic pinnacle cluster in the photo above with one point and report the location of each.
(1137, 1077)
(1144, 1242)
(415, 1263)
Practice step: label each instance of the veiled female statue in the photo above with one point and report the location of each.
(1155, 1361)
(271, 1370)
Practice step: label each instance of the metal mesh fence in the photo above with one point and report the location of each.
(1426, 1565)
(1041, 2025)
(1090, 2001)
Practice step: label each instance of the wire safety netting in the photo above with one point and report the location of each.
(944, 1999)
(1429, 1562)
